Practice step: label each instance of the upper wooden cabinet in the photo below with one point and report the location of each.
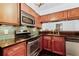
(63, 15)
(73, 13)
(9, 13)
(60, 16)
(54, 16)
(37, 22)
(42, 18)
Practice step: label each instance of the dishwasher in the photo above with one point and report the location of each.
(72, 46)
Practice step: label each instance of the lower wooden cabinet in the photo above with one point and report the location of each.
(47, 43)
(58, 45)
(15, 50)
(52, 44)
(55, 44)
(41, 43)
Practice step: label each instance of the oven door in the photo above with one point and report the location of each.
(32, 47)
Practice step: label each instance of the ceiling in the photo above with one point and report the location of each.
(47, 8)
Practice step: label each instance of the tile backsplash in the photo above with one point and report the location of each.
(7, 35)
(7, 32)
(5, 29)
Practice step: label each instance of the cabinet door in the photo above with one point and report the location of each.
(52, 44)
(47, 43)
(15, 50)
(73, 13)
(44, 18)
(54, 16)
(61, 15)
(41, 43)
(38, 22)
(9, 13)
(59, 46)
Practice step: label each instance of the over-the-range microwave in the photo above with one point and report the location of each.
(27, 19)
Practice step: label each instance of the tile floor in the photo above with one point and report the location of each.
(47, 53)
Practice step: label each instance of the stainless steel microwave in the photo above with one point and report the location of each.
(27, 19)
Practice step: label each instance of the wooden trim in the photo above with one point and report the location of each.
(20, 13)
(59, 20)
(53, 21)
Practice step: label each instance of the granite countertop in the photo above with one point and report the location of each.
(67, 38)
(19, 41)
(53, 35)
(72, 39)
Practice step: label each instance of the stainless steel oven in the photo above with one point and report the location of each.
(33, 47)
(27, 19)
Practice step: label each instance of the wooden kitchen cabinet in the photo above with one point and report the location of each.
(43, 18)
(58, 45)
(73, 13)
(54, 44)
(60, 16)
(41, 43)
(47, 43)
(38, 22)
(9, 13)
(15, 50)
(54, 16)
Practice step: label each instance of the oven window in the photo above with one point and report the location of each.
(27, 20)
(34, 47)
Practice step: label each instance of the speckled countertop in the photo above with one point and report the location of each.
(19, 41)
(72, 39)
(53, 35)
(67, 38)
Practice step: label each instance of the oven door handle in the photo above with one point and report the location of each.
(33, 41)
